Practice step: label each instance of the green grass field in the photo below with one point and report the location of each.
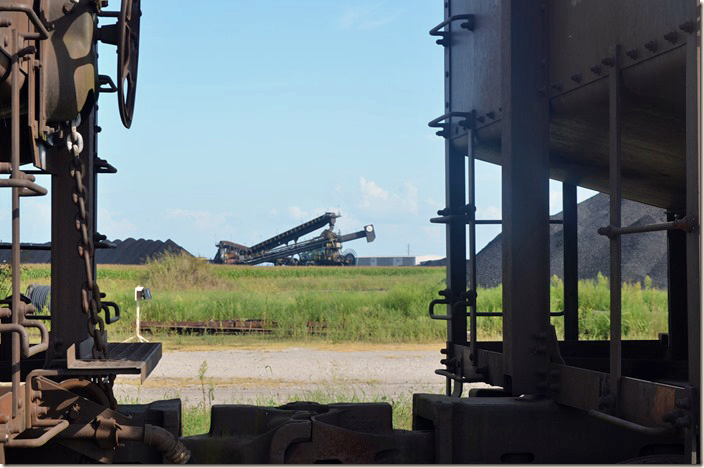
(376, 304)
(372, 305)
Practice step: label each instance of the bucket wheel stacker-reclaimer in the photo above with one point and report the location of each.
(324, 249)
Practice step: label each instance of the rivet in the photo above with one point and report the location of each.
(632, 53)
(608, 61)
(556, 86)
(671, 37)
(651, 46)
(491, 115)
(480, 119)
(596, 69)
(687, 27)
(577, 78)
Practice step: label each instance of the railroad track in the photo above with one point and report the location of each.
(226, 327)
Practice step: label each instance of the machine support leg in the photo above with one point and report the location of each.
(525, 204)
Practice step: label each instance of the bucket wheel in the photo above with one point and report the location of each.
(125, 35)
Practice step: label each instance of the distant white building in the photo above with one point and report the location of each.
(425, 258)
(386, 261)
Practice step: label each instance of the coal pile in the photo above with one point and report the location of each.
(642, 254)
(136, 251)
(127, 252)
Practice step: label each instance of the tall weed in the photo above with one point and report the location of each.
(176, 271)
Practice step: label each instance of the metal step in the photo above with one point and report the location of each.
(123, 358)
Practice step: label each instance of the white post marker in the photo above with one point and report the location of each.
(140, 293)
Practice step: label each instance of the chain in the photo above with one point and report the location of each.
(90, 293)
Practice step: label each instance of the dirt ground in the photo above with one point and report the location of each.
(261, 376)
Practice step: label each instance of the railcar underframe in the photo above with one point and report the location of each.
(601, 94)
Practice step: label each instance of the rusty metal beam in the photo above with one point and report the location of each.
(67, 268)
(525, 155)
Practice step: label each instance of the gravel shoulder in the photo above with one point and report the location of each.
(261, 376)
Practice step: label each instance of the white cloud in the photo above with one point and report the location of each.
(378, 200)
(489, 212)
(298, 214)
(35, 220)
(433, 204)
(115, 226)
(372, 192)
(366, 16)
(201, 220)
(273, 212)
(295, 212)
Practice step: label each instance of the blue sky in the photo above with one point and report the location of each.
(253, 116)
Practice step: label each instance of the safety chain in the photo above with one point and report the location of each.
(90, 293)
(106, 384)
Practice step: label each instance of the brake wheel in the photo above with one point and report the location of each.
(128, 58)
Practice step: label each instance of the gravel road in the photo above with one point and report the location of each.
(260, 376)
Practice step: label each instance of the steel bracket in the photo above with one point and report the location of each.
(440, 122)
(468, 24)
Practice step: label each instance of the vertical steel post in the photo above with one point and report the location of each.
(615, 116)
(693, 168)
(68, 323)
(456, 266)
(676, 293)
(692, 200)
(456, 247)
(570, 261)
(525, 199)
(472, 215)
(15, 261)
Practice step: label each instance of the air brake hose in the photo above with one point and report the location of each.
(168, 444)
